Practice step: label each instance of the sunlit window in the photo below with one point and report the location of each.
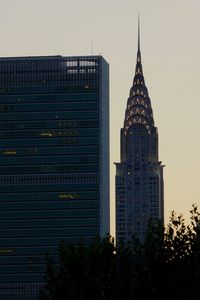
(9, 152)
(6, 251)
(68, 196)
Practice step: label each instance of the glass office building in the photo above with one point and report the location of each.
(54, 162)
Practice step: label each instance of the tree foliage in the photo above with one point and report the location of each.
(165, 266)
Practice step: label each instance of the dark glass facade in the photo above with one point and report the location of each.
(54, 162)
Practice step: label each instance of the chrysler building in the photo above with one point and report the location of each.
(139, 175)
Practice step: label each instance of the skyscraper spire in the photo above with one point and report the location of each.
(138, 69)
(138, 32)
(138, 51)
(139, 175)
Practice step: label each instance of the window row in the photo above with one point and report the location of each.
(49, 133)
(71, 214)
(51, 115)
(45, 160)
(47, 232)
(83, 85)
(47, 222)
(47, 187)
(70, 200)
(53, 151)
(84, 194)
(56, 106)
(48, 97)
(46, 78)
(10, 144)
(29, 169)
(49, 178)
(51, 124)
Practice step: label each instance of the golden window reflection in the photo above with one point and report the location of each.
(68, 196)
(52, 133)
(6, 251)
(45, 133)
(9, 152)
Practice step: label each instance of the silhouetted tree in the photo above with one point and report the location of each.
(165, 266)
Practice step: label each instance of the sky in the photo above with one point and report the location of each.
(170, 46)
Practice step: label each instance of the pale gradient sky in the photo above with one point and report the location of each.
(170, 45)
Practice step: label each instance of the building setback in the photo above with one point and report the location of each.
(54, 162)
(139, 175)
